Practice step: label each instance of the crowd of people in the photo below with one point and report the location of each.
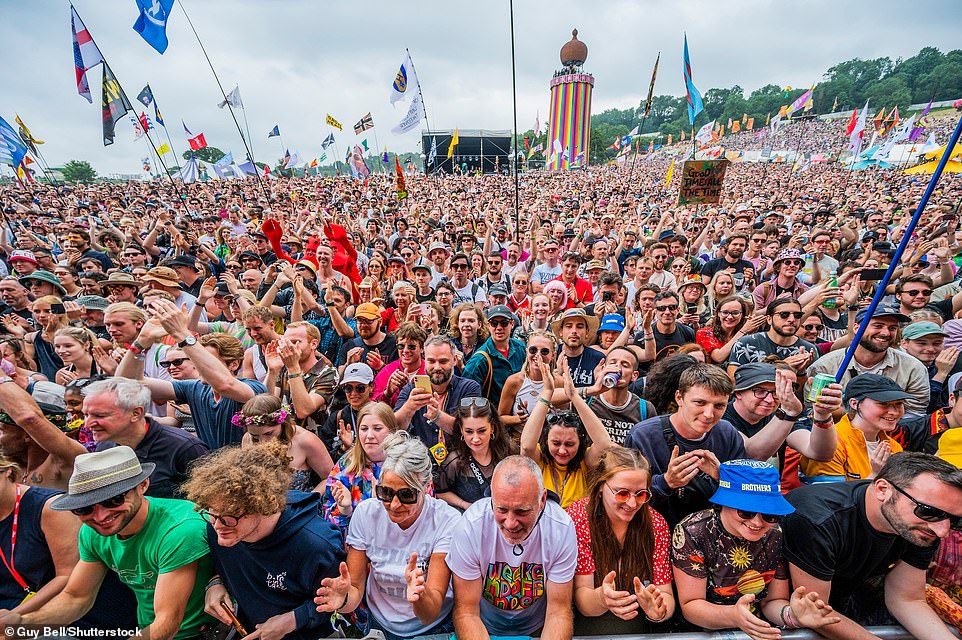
(301, 408)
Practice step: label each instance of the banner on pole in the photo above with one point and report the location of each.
(702, 181)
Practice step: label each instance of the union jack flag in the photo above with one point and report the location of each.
(365, 123)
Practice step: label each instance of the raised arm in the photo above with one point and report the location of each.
(531, 432)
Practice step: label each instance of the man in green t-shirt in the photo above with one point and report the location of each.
(157, 546)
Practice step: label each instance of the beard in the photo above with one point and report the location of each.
(919, 535)
(440, 376)
(870, 345)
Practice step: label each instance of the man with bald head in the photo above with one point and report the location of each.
(251, 280)
(513, 559)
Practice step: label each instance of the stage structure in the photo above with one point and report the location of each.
(569, 118)
(477, 149)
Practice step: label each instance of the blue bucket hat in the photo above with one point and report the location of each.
(751, 485)
(612, 322)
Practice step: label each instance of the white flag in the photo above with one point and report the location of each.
(413, 117)
(556, 146)
(704, 134)
(855, 139)
(405, 82)
(233, 99)
(634, 132)
(433, 154)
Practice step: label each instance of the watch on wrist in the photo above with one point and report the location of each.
(781, 414)
(189, 341)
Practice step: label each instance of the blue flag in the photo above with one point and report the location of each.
(152, 22)
(695, 104)
(12, 149)
(328, 141)
(274, 132)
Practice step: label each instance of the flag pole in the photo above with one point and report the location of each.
(377, 147)
(230, 107)
(897, 258)
(424, 107)
(166, 132)
(514, 138)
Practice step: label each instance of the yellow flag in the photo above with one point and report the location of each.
(162, 149)
(334, 123)
(454, 143)
(671, 171)
(26, 131)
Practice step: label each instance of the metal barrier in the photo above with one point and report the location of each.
(885, 633)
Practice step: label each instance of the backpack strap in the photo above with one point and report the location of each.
(667, 433)
(489, 377)
(643, 406)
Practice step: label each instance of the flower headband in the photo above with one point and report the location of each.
(263, 420)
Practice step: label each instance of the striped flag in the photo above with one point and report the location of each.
(86, 55)
(651, 87)
(693, 97)
(365, 123)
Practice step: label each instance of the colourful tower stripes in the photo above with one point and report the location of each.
(569, 120)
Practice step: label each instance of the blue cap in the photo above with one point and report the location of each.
(612, 322)
(751, 485)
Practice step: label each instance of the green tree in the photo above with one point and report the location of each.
(78, 171)
(207, 154)
(890, 92)
(944, 82)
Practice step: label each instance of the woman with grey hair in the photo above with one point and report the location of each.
(396, 547)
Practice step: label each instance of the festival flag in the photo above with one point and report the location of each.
(364, 144)
(651, 145)
(654, 73)
(920, 127)
(669, 139)
(744, 118)
(12, 149)
(776, 122)
(233, 99)
(850, 127)
(412, 118)
(799, 102)
(365, 123)
(323, 158)
(751, 123)
(835, 104)
(152, 22)
(162, 149)
(671, 171)
(26, 136)
(114, 105)
(535, 149)
(86, 55)
(527, 143)
(197, 142)
(404, 79)
(736, 126)
(855, 137)
(157, 117)
(537, 122)
(453, 144)
(729, 123)
(145, 122)
(879, 119)
(892, 122)
(783, 111)
(328, 141)
(695, 104)
(704, 134)
(276, 131)
(334, 123)
(768, 118)
(401, 189)
(286, 158)
(146, 96)
(682, 135)
(721, 132)
(146, 162)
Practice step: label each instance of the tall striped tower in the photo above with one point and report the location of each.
(569, 118)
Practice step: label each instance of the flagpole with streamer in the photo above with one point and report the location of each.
(129, 103)
(897, 258)
(514, 144)
(230, 107)
(424, 108)
(644, 119)
(166, 132)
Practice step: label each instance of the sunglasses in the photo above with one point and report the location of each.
(459, 265)
(407, 495)
(928, 513)
(796, 263)
(667, 307)
(211, 518)
(408, 347)
(750, 515)
(354, 388)
(109, 503)
(563, 417)
(784, 315)
(544, 351)
(623, 495)
(499, 322)
(79, 383)
(520, 282)
(176, 362)
(473, 402)
(812, 327)
(918, 292)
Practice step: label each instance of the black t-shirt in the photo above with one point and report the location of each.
(424, 298)
(582, 366)
(387, 348)
(829, 537)
(667, 344)
(720, 264)
(943, 308)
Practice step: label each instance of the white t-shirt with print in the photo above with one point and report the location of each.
(513, 598)
(388, 548)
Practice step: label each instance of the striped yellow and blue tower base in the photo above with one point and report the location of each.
(569, 121)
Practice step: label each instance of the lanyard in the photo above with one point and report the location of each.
(554, 478)
(13, 544)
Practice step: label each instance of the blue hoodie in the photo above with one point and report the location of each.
(281, 572)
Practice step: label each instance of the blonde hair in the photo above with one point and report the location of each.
(550, 337)
(82, 335)
(6, 464)
(455, 332)
(357, 458)
(134, 313)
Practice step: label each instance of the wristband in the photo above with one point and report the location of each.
(291, 376)
(346, 597)
(824, 424)
(544, 402)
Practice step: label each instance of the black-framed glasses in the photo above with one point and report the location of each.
(354, 388)
(731, 314)
(667, 307)
(750, 515)
(499, 322)
(566, 418)
(109, 503)
(784, 315)
(405, 495)
(544, 351)
(761, 393)
(475, 401)
(211, 518)
(623, 495)
(928, 513)
(175, 362)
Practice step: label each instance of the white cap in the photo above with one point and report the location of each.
(358, 372)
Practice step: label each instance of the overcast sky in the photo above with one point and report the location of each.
(296, 60)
